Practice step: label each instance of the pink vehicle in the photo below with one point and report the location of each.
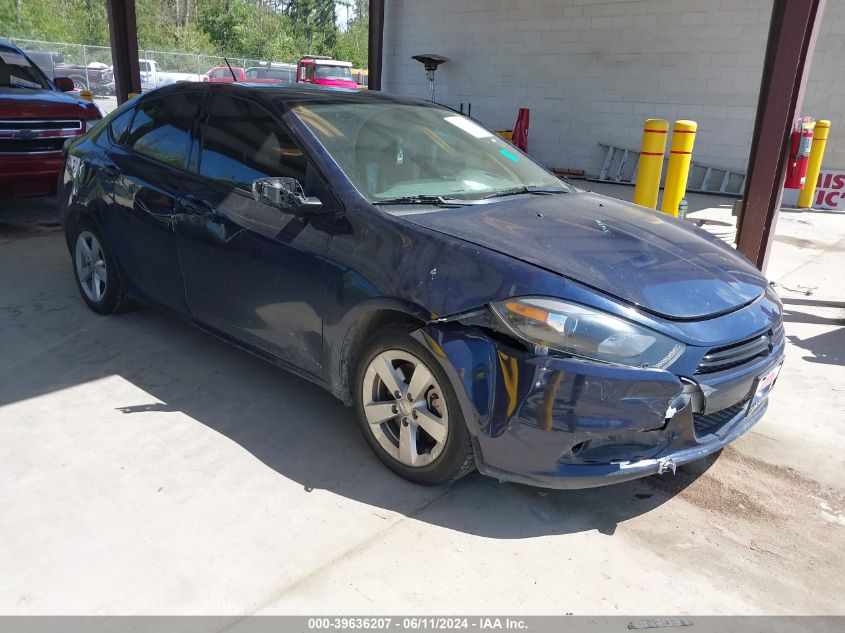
(222, 74)
(325, 71)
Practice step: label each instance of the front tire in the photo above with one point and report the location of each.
(95, 271)
(408, 410)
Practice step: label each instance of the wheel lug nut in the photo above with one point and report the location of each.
(414, 415)
(395, 409)
(405, 421)
(397, 395)
(410, 398)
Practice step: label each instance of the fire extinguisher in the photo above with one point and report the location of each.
(520, 130)
(799, 153)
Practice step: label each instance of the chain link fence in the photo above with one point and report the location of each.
(90, 67)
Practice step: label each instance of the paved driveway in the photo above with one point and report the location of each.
(146, 467)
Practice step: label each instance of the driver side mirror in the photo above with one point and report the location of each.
(286, 194)
(65, 84)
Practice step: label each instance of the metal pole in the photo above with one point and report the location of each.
(85, 66)
(376, 44)
(123, 34)
(792, 38)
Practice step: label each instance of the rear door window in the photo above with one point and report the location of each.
(162, 128)
(243, 142)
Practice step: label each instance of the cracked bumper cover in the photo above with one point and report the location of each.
(567, 423)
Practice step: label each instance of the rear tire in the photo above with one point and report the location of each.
(420, 436)
(95, 271)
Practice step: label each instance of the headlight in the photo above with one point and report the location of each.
(586, 332)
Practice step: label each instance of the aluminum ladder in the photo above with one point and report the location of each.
(620, 166)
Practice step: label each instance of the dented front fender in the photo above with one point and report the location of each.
(530, 413)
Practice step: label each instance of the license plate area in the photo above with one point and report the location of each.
(763, 386)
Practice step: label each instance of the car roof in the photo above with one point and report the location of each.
(289, 92)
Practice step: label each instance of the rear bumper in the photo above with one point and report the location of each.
(567, 423)
(29, 174)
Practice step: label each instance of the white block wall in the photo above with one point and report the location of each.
(593, 70)
(825, 96)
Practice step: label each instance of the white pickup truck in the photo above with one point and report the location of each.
(152, 77)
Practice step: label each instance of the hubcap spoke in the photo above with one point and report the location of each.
(408, 444)
(95, 284)
(420, 381)
(432, 425)
(91, 266)
(100, 270)
(389, 376)
(379, 412)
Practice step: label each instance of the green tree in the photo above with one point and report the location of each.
(314, 20)
(278, 30)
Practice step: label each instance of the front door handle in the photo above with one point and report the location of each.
(110, 173)
(199, 205)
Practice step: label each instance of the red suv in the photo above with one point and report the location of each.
(36, 117)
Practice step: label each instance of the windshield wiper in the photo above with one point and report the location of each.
(516, 191)
(438, 201)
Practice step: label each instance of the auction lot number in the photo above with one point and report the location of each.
(412, 623)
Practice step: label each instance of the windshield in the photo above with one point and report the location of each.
(391, 151)
(16, 71)
(326, 71)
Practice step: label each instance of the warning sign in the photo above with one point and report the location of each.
(830, 191)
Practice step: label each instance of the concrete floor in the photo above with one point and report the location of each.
(148, 468)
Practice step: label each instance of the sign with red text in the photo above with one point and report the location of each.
(830, 190)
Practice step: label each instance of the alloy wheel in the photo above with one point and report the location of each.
(91, 266)
(405, 408)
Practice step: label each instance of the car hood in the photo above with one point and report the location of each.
(17, 103)
(660, 264)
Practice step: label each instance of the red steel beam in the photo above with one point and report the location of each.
(376, 44)
(123, 32)
(793, 32)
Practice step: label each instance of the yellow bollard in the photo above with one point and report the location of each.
(652, 149)
(131, 95)
(814, 166)
(86, 94)
(680, 154)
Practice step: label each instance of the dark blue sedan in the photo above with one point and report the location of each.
(475, 310)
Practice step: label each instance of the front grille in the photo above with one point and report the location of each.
(712, 422)
(49, 124)
(31, 145)
(27, 136)
(735, 354)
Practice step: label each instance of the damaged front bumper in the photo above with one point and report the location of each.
(561, 422)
